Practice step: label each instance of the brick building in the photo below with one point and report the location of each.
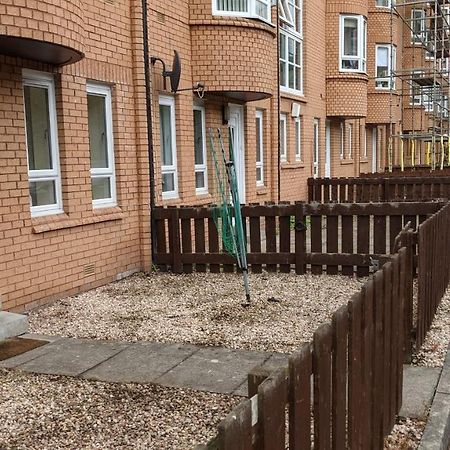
(76, 183)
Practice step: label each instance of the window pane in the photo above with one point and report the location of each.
(352, 64)
(38, 128)
(261, 9)
(283, 73)
(42, 193)
(259, 174)
(166, 135)
(198, 137)
(101, 188)
(232, 5)
(98, 138)
(350, 36)
(258, 139)
(199, 180)
(382, 62)
(291, 50)
(291, 75)
(282, 46)
(168, 182)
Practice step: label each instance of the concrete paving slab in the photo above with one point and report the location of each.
(214, 370)
(444, 382)
(437, 432)
(419, 387)
(141, 362)
(276, 360)
(40, 337)
(242, 390)
(12, 325)
(18, 360)
(72, 357)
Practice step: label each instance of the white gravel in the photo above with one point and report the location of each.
(406, 435)
(434, 349)
(39, 412)
(202, 309)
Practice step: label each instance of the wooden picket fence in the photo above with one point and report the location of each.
(344, 389)
(434, 268)
(376, 189)
(417, 171)
(321, 238)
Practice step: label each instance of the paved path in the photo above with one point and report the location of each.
(210, 369)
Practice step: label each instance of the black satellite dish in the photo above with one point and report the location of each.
(174, 74)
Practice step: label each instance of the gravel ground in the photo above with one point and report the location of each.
(406, 435)
(436, 343)
(39, 412)
(202, 309)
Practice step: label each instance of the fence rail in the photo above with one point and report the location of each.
(434, 268)
(342, 390)
(386, 189)
(417, 171)
(322, 238)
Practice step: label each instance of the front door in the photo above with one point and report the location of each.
(328, 151)
(236, 129)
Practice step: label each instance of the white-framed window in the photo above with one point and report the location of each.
(365, 142)
(342, 141)
(169, 170)
(298, 139)
(429, 98)
(259, 123)
(353, 43)
(42, 143)
(384, 3)
(283, 137)
(350, 140)
(291, 46)
(254, 9)
(201, 168)
(386, 63)
(416, 90)
(316, 147)
(418, 29)
(101, 145)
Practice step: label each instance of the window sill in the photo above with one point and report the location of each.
(364, 160)
(347, 162)
(62, 221)
(293, 165)
(262, 190)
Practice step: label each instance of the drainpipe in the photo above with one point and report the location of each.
(279, 100)
(148, 100)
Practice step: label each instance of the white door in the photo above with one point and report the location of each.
(236, 129)
(374, 150)
(328, 151)
(316, 149)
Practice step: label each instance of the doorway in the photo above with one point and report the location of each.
(236, 130)
(328, 150)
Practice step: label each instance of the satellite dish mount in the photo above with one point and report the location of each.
(173, 75)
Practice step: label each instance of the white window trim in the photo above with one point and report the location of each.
(342, 154)
(392, 64)
(389, 5)
(45, 80)
(350, 140)
(250, 13)
(283, 145)
(103, 90)
(362, 44)
(203, 168)
(166, 100)
(260, 164)
(415, 100)
(298, 140)
(290, 32)
(365, 143)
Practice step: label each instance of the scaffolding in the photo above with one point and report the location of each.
(424, 81)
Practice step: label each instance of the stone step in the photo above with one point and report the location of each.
(12, 324)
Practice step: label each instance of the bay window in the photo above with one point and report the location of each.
(291, 46)
(101, 145)
(386, 57)
(353, 43)
(42, 143)
(255, 9)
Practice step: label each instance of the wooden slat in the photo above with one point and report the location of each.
(255, 241)
(316, 241)
(300, 370)
(174, 240)
(213, 242)
(395, 224)
(332, 242)
(161, 246)
(339, 378)
(379, 232)
(272, 399)
(285, 240)
(271, 241)
(235, 431)
(300, 240)
(199, 227)
(322, 346)
(347, 241)
(186, 242)
(363, 237)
